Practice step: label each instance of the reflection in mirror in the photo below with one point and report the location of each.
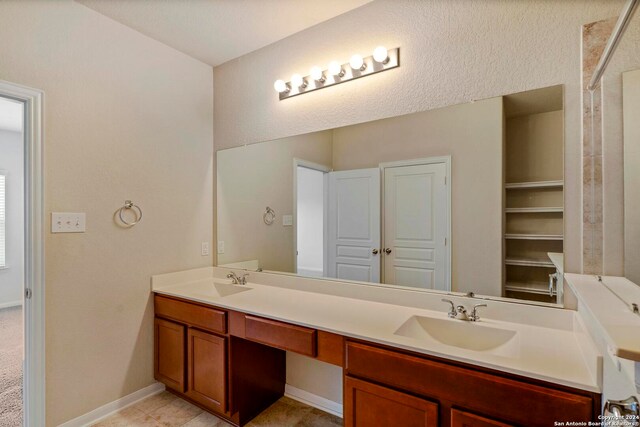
(631, 106)
(467, 198)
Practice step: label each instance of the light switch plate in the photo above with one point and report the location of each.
(68, 222)
(287, 220)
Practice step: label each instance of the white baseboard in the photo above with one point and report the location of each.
(314, 400)
(110, 408)
(10, 304)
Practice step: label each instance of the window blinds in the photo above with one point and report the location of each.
(2, 221)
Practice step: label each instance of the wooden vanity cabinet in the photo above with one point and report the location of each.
(169, 363)
(206, 367)
(191, 352)
(367, 404)
(234, 364)
(466, 419)
(464, 395)
(197, 358)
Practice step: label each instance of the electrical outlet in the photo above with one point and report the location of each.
(220, 246)
(205, 248)
(68, 222)
(287, 220)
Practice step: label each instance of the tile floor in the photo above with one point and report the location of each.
(167, 410)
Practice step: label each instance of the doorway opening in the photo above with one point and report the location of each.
(12, 237)
(21, 257)
(310, 218)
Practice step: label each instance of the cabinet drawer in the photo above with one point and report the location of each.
(490, 395)
(281, 335)
(191, 314)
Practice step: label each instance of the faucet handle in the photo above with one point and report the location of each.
(474, 314)
(452, 313)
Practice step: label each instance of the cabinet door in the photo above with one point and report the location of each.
(207, 374)
(370, 405)
(465, 419)
(169, 364)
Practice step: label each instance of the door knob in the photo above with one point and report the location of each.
(374, 251)
(387, 251)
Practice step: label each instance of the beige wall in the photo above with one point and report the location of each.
(125, 118)
(472, 135)
(534, 147)
(252, 178)
(12, 166)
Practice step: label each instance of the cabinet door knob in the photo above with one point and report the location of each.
(387, 251)
(374, 251)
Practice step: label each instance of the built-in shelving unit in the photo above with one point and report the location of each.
(537, 288)
(534, 210)
(533, 236)
(535, 184)
(528, 262)
(534, 192)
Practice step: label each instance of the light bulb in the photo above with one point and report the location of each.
(298, 81)
(280, 86)
(335, 69)
(380, 54)
(357, 63)
(317, 74)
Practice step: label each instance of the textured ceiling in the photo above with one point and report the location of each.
(215, 31)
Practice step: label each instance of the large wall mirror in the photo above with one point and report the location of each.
(467, 198)
(631, 135)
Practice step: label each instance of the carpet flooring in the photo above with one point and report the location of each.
(11, 367)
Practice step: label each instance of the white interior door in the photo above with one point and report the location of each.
(416, 226)
(354, 225)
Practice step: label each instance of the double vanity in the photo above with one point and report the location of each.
(413, 360)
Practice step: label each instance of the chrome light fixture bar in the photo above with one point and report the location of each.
(336, 73)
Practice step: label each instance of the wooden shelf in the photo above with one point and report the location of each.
(529, 262)
(539, 288)
(535, 210)
(534, 184)
(534, 236)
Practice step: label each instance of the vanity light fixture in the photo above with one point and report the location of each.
(357, 63)
(281, 87)
(297, 81)
(317, 74)
(335, 69)
(381, 54)
(383, 59)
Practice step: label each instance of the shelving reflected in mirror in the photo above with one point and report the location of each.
(467, 198)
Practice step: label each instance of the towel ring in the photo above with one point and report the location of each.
(128, 204)
(269, 216)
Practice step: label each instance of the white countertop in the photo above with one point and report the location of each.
(558, 260)
(564, 356)
(611, 309)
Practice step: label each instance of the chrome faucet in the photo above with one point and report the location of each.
(460, 312)
(474, 317)
(452, 313)
(237, 280)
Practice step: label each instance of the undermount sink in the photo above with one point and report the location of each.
(216, 289)
(462, 334)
